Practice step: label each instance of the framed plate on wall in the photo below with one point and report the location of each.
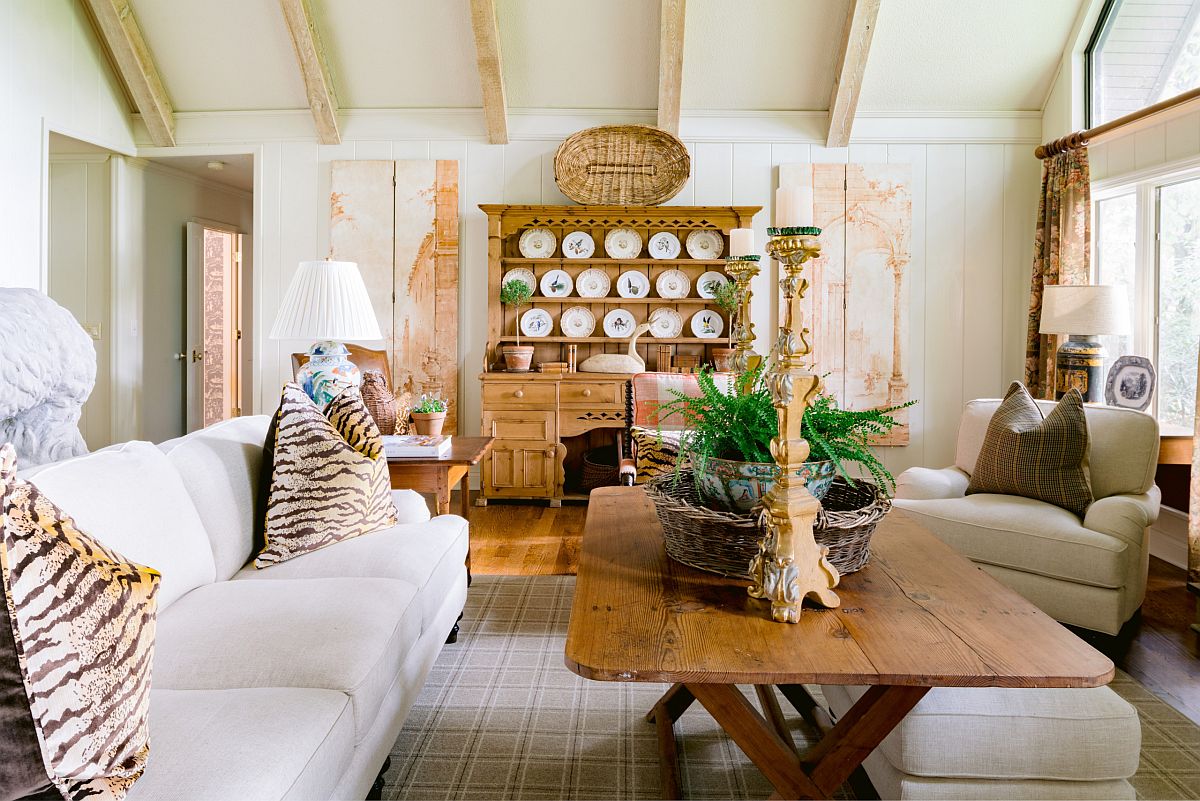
(1131, 382)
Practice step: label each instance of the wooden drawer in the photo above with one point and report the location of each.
(592, 393)
(520, 424)
(532, 393)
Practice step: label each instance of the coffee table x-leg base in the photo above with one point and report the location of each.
(816, 773)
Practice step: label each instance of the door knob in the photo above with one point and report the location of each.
(180, 356)
(197, 355)
(520, 393)
(587, 393)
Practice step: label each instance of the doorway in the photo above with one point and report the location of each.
(213, 377)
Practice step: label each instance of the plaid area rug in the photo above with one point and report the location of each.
(501, 717)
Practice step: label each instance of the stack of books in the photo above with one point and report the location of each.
(416, 445)
(553, 367)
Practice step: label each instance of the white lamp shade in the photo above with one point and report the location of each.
(1084, 310)
(326, 300)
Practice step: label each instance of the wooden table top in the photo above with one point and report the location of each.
(463, 450)
(918, 614)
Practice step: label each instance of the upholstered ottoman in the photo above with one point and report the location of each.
(977, 743)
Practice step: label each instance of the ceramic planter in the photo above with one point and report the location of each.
(737, 486)
(517, 358)
(429, 423)
(723, 359)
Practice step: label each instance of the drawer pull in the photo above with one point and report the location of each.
(520, 393)
(587, 393)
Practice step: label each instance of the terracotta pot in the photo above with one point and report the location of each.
(723, 359)
(736, 486)
(518, 357)
(429, 423)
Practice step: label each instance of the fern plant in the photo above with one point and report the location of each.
(738, 423)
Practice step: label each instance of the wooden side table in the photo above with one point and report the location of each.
(439, 474)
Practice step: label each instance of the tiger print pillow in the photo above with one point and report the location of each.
(655, 452)
(76, 646)
(328, 476)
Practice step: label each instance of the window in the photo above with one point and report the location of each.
(1147, 239)
(1142, 51)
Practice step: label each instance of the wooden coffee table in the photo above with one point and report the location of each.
(918, 616)
(439, 474)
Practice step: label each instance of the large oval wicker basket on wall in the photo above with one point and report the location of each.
(621, 165)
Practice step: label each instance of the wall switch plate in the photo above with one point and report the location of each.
(93, 330)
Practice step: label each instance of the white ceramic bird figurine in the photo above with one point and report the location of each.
(618, 362)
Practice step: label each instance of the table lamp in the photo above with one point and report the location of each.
(1084, 313)
(327, 301)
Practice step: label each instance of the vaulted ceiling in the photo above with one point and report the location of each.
(738, 55)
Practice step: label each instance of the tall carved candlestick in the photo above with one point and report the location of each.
(790, 566)
(743, 269)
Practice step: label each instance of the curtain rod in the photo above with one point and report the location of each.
(1082, 138)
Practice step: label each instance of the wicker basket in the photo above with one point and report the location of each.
(600, 468)
(621, 165)
(380, 401)
(724, 543)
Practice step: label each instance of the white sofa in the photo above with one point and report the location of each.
(290, 682)
(1089, 573)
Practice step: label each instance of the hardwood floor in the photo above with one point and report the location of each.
(532, 539)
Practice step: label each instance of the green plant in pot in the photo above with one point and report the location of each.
(728, 436)
(515, 293)
(429, 414)
(728, 299)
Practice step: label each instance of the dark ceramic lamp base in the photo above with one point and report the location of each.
(1080, 365)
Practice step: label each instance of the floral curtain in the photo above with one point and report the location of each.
(1062, 254)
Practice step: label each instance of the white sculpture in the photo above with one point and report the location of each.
(629, 362)
(47, 371)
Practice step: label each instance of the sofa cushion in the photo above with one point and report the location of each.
(655, 452)
(1028, 535)
(1000, 733)
(345, 634)
(220, 466)
(132, 500)
(1033, 456)
(429, 556)
(264, 743)
(328, 476)
(78, 641)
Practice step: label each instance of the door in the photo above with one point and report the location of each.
(522, 462)
(212, 357)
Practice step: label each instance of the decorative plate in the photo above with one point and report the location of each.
(537, 243)
(578, 245)
(522, 274)
(619, 324)
(673, 284)
(633, 285)
(623, 243)
(536, 323)
(557, 284)
(707, 324)
(709, 283)
(666, 323)
(664, 245)
(593, 283)
(705, 244)
(1130, 383)
(577, 321)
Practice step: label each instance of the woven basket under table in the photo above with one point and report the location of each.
(725, 542)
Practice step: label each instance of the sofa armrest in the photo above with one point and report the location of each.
(926, 484)
(1124, 516)
(410, 506)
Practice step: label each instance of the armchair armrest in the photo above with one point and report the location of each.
(926, 484)
(410, 506)
(1124, 516)
(627, 472)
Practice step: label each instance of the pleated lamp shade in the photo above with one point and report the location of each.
(326, 300)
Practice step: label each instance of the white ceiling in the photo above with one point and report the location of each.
(238, 171)
(742, 55)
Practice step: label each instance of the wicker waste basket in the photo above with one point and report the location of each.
(725, 542)
(600, 468)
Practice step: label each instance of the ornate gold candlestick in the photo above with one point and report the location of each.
(743, 269)
(790, 566)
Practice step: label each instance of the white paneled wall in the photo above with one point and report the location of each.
(1152, 147)
(973, 215)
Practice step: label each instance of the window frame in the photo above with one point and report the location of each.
(1104, 23)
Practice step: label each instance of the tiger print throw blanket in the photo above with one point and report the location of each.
(328, 476)
(77, 634)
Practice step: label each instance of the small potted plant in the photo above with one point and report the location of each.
(728, 299)
(515, 293)
(429, 415)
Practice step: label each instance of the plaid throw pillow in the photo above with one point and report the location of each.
(1034, 457)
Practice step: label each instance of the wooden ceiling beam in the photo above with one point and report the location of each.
(122, 37)
(670, 63)
(314, 68)
(849, 68)
(491, 73)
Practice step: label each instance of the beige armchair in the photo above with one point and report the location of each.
(1089, 573)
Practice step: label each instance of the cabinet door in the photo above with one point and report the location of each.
(519, 469)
